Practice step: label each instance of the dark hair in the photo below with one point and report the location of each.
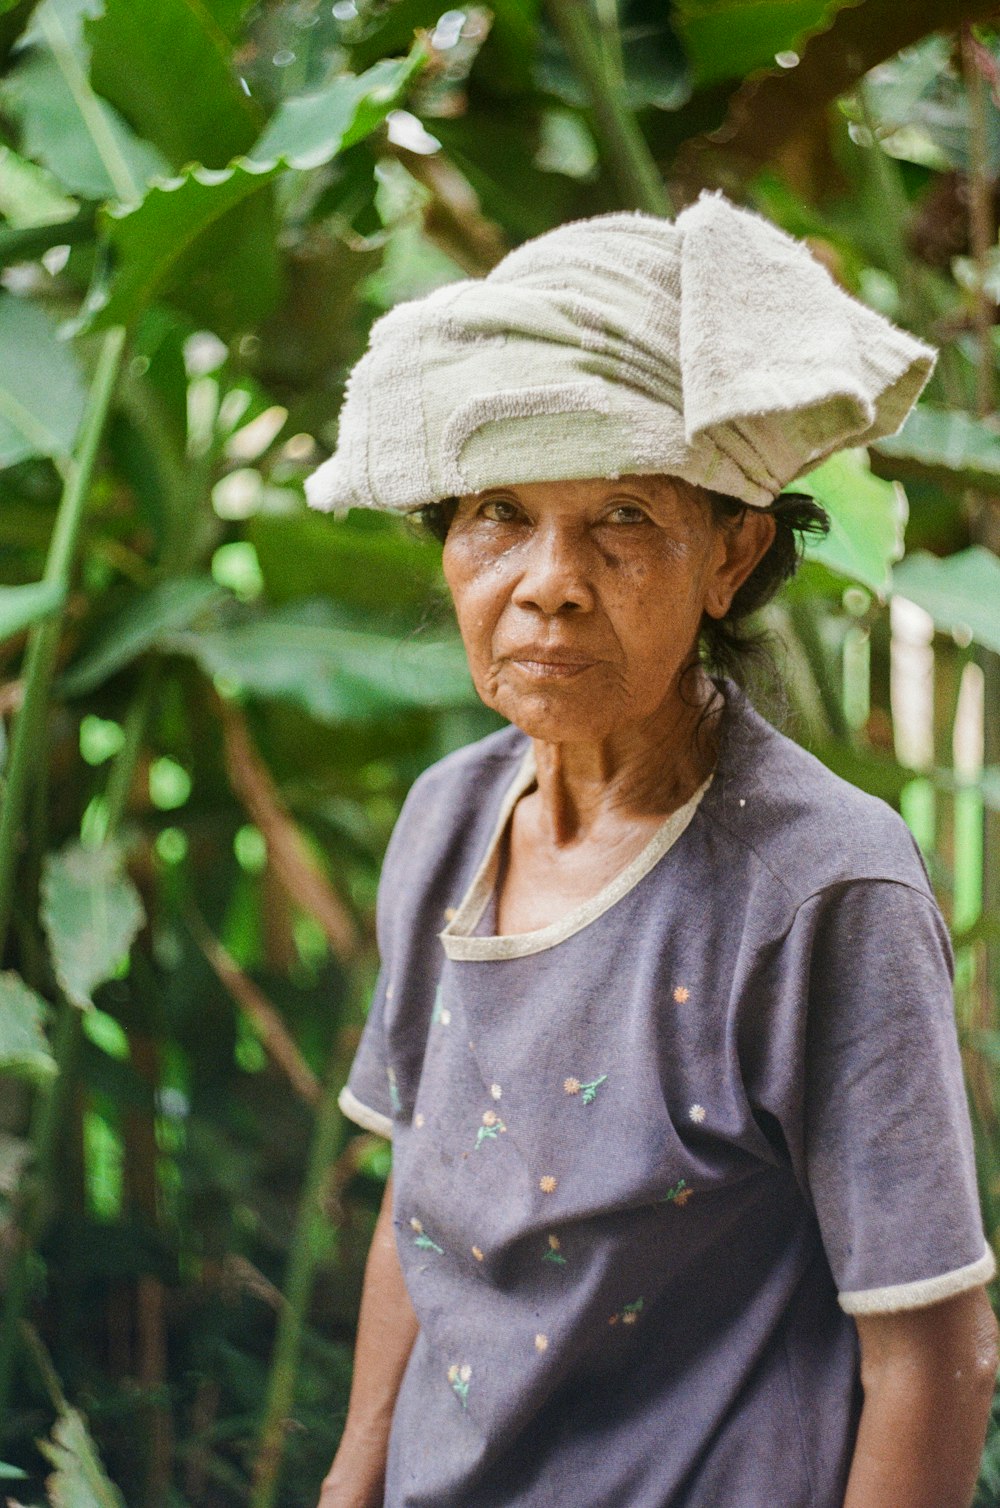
(728, 646)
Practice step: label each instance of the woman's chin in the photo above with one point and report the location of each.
(555, 715)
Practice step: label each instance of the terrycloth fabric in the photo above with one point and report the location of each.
(714, 348)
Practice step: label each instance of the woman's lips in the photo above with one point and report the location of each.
(546, 670)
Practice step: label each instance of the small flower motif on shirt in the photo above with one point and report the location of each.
(422, 1239)
(460, 1377)
(587, 1092)
(541, 1342)
(628, 1314)
(418, 1120)
(679, 1194)
(440, 1015)
(477, 1253)
(394, 1099)
(553, 1252)
(548, 1183)
(697, 1114)
(490, 1129)
(495, 1091)
(682, 994)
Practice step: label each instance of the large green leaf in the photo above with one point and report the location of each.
(867, 519)
(24, 1049)
(946, 445)
(726, 39)
(161, 241)
(961, 592)
(20, 606)
(164, 64)
(64, 125)
(91, 912)
(41, 391)
(79, 1479)
(136, 627)
(309, 130)
(310, 557)
(303, 654)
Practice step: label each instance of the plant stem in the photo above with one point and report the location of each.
(302, 1264)
(43, 643)
(45, 1123)
(621, 142)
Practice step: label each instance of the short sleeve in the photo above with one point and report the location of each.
(888, 1141)
(367, 1097)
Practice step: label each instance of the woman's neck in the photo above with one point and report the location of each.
(637, 773)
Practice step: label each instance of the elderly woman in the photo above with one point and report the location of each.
(683, 1211)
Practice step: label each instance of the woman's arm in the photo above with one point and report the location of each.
(928, 1377)
(387, 1328)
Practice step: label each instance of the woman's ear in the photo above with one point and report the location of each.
(743, 543)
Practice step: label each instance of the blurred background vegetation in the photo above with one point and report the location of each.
(213, 703)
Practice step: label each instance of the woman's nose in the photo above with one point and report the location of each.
(554, 573)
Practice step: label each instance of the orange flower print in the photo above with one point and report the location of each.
(629, 1314)
(490, 1129)
(477, 1253)
(679, 1194)
(422, 1239)
(587, 1092)
(460, 1377)
(682, 994)
(553, 1253)
(547, 1183)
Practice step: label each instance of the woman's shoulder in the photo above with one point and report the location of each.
(805, 825)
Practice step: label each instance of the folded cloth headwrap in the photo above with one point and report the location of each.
(713, 347)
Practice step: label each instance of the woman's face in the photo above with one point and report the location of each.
(579, 602)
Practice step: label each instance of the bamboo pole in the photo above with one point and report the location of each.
(302, 1263)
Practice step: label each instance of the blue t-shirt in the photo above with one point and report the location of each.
(649, 1159)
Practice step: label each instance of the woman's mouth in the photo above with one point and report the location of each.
(550, 670)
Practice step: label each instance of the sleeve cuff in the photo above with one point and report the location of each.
(361, 1115)
(921, 1293)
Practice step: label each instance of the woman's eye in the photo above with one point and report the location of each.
(499, 510)
(626, 513)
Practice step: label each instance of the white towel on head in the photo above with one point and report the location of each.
(714, 347)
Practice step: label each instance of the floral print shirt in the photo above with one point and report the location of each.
(651, 1158)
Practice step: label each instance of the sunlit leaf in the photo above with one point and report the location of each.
(302, 654)
(79, 1479)
(91, 912)
(41, 392)
(308, 130)
(867, 519)
(165, 65)
(80, 138)
(961, 592)
(20, 606)
(29, 195)
(24, 1049)
(137, 626)
(945, 445)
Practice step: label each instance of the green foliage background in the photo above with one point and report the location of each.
(213, 702)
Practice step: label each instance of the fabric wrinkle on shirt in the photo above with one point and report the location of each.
(649, 1159)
